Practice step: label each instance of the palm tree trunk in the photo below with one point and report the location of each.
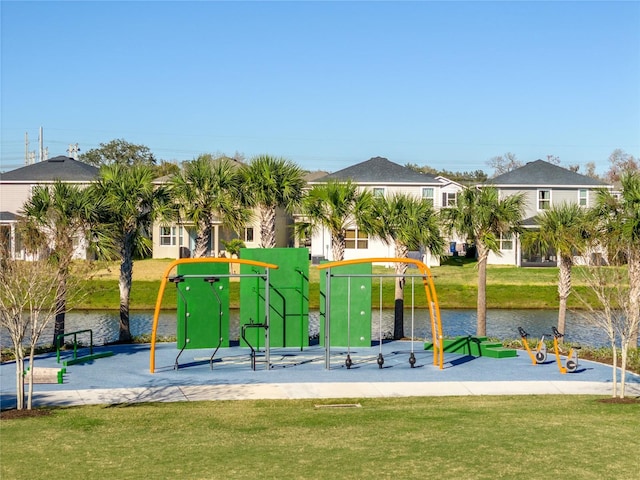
(338, 246)
(202, 239)
(481, 327)
(564, 289)
(126, 275)
(267, 227)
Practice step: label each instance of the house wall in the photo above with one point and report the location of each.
(506, 257)
(13, 196)
(184, 238)
(559, 195)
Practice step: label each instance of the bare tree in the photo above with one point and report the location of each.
(28, 292)
(609, 309)
(590, 170)
(504, 163)
(621, 162)
(554, 159)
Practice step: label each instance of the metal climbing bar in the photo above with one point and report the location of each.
(430, 291)
(166, 277)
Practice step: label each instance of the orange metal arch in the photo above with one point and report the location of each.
(429, 288)
(163, 284)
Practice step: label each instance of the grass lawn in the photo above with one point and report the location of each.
(456, 285)
(403, 438)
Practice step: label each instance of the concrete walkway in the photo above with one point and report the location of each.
(125, 376)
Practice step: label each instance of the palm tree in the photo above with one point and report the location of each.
(209, 189)
(54, 217)
(127, 202)
(408, 223)
(271, 183)
(619, 227)
(483, 217)
(563, 229)
(335, 206)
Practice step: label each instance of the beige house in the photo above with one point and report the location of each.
(16, 187)
(177, 240)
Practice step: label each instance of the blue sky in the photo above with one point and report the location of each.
(325, 84)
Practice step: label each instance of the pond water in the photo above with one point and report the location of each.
(502, 324)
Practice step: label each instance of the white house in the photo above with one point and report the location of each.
(383, 177)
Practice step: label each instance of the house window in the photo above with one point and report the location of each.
(448, 199)
(356, 240)
(248, 234)
(544, 199)
(582, 197)
(428, 194)
(167, 236)
(378, 192)
(506, 241)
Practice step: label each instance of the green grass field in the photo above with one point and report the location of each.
(567, 437)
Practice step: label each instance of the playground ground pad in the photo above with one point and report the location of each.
(125, 376)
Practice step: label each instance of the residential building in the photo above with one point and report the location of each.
(177, 239)
(544, 185)
(16, 187)
(383, 177)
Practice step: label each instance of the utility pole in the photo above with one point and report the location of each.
(40, 145)
(73, 150)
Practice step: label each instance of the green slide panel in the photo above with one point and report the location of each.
(200, 303)
(288, 297)
(350, 306)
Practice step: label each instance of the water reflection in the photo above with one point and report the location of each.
(500, 324)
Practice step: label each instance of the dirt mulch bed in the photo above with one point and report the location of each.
(14, 414)
(623, 401)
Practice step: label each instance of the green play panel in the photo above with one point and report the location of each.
(288, 297)
(475, 347)
(350, 306)
(203, 306)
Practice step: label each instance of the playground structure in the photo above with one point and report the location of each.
(270, 315)
(540, 354)
(335, 276)
(194, 324)
(75, 359)
(572, 358)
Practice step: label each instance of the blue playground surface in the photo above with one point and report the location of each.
(129, 369)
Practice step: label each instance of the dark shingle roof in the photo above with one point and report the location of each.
(380, 170)
(8, 217)
(544, 173)
(56, 168)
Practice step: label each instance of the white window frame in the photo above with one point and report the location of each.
(449, 199)
(506, 241)
(359, 240)
(249, 235)
(547, 201)
(584, 198)
(167, 236)
(429, 198)
(378, 192)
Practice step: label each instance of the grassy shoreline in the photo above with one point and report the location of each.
(456, 286)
